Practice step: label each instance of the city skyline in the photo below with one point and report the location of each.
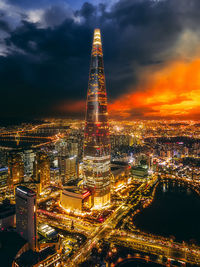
(150, 48)
(99, 165)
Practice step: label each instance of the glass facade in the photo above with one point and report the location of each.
(96, 157)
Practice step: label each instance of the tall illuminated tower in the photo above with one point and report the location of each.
(96, 157)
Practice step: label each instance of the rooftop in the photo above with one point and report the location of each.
(25, 190)
(76, 191)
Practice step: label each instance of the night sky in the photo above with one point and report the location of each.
(151, 57)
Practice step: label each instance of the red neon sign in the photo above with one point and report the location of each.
(86, 194)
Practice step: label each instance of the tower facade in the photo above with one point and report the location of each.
(96, 150)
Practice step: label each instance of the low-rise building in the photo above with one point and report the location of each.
(74, 198)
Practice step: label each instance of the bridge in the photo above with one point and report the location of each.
(31, 137)
(157, 246)
(22, 138)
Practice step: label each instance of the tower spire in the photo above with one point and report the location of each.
(97, 37)
(97, 45)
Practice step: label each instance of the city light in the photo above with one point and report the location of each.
(78, 192)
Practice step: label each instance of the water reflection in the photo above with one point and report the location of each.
(174, 212)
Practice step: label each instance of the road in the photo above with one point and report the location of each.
(103, 231)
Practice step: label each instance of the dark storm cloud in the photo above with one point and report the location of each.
(32, 4)
(4, 26)
(55, 15)
(49, 64)
(87, 10)
(54, 66)
(43, 4)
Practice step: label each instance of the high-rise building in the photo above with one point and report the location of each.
(62, 153)
(96, 150)
(76, 137)
(69, 168)
(55, 175)
(3, 157)
(68, 151)
(71, 163)
(73, 148)
(61, 147)
(26, 215)
(28, 158)
(41, 172)
(15, 169)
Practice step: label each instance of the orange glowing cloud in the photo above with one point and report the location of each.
(170, 92)
(71, 107)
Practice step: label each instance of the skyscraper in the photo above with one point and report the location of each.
(28, 158)
(41, 170)
(26, 215)
(68, 158)
(96, 157)
(15, 169)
